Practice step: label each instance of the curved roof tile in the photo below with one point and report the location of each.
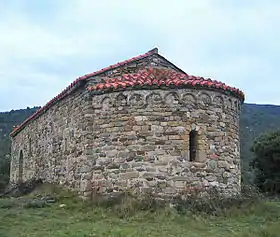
(162, 77)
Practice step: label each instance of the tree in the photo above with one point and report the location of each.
(4, 171)
(266, 162)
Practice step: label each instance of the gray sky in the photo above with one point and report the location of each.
(46, 44)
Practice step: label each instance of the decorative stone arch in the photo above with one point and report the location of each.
(235, 103)
(189, 100)
(204, 99)
(172, 99)
(136, 99)
(229, 104)
(106, 103)
(120, 100)
(97, 102)
(153, 99)
(218, 101)
(20, 166)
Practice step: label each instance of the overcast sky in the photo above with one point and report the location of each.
(46, 44)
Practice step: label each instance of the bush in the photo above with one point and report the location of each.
(266, 162)
(127, 204)
(36, 204)
(8, 203)
(217, 204)
(4, 171)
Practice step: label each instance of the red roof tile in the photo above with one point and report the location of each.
(162, 77)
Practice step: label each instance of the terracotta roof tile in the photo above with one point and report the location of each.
(162, 77)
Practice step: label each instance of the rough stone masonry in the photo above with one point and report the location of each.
(142, 124)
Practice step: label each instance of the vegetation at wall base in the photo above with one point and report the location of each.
(251, 215)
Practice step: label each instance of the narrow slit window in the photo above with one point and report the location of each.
(30, 146)
(193, 145)
(20, 167)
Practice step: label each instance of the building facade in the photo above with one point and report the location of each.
(142, 124)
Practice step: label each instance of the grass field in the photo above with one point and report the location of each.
(77, 219)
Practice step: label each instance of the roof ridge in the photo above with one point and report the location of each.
(62, 94)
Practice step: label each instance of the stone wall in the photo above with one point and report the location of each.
(53, 145)
(140, 139)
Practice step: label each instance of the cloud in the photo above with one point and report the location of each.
(47, 44)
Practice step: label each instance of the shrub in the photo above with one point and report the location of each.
(266, 162)
(8, 203)
(127, 203)
(36, 204)
(217, 204)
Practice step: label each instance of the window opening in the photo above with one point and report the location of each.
(193, 145)
(30, 146)
(20, 166)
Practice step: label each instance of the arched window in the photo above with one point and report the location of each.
(193, 145)
(20, 166)
(30, 146)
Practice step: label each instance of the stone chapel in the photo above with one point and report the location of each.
(141, 124)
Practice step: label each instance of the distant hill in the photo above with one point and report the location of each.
(255, 119)
(7, 121)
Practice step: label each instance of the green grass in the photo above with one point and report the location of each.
(80, 219)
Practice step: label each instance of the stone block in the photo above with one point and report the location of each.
(212, 164)
(129, 175)
(201, 156)
(140, 118)
(156, 128)
(103, 161)
(198, 164)
(123, 154)
(211, 178)
(149, 175)
(162, 184)
(111, 153)
(170, 190)
(224, 164)
(174, 137)
(138, 158)
(113, 165)
(85, 185)
(180, 184)
(87, 194)
(85, 169)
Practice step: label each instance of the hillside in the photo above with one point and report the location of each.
(255, 119)
(7, 121)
